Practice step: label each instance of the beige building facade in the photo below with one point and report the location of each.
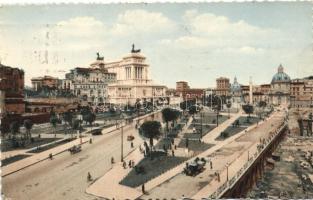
(133, 83)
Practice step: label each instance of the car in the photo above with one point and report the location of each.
(97, 131)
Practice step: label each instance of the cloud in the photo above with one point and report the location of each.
(207, 30)
(142, 22)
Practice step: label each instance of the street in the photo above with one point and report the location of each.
(65, 177)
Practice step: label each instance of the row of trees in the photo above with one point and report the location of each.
(15, 128)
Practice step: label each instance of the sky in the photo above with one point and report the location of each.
(194, 42)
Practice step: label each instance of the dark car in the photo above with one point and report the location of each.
(96, 131)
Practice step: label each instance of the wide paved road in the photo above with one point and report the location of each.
(65, 177)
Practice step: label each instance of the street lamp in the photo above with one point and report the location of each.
(227, 165)
(122, 137)
(248, 156)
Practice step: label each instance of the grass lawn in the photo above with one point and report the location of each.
(252, 120)
(205, 130)
(210, 119)
(13, 159)
(163, 141)
(231, 131)
(152, 168)
(243, 124)
(195, 145)
(37, 142)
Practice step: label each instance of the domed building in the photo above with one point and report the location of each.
(280, 88)
(235, 90)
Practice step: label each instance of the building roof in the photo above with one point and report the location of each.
(280, 76)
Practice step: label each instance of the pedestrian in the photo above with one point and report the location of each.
(124, 164)
(50, 156)
(90, 141)
(218, 177)
(175, 147)
(143, 188)
(130, 164)
(173, 154)
(211, 164)
(131, 144)
(140, 149)
(112, 160)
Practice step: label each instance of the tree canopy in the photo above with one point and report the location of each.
(15, 127)
(248, 109)
(151, 130)
(28, 124)
(169, 114)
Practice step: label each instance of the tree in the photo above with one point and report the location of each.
(151, 130)
(224, 134)
(28, 124)
(193, 109)
(14, 128)
(138, 106)
(262, 104)
(76, 125)
(53, 121)
(248, 110)
(89, 117)
(228, 107)
(169, 114)
(68, 117)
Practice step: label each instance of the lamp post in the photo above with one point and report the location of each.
(248, 156)
(122, 137)
(201, 124)
(217, 109)
(227, 165)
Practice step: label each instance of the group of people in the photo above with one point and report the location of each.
(131, 164)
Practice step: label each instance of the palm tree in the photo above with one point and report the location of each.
(151, 130)
(28, 124)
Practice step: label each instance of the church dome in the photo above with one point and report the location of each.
(235, 87)
(280, 76)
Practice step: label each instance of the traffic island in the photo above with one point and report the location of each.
(151, 167)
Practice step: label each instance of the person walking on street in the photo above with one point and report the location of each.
(130, 164)
(50, 156)
(143, 188)
(89, 178)
(173, 154)
(112, 160)
(211, 164)
(124, 164)
(131, 144)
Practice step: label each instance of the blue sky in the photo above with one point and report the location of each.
(188, 41)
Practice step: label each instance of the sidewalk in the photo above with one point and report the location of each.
(108, 185)
(19, 165)
(235, 164)
(210, 137)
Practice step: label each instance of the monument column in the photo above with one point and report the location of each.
(250, 91)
